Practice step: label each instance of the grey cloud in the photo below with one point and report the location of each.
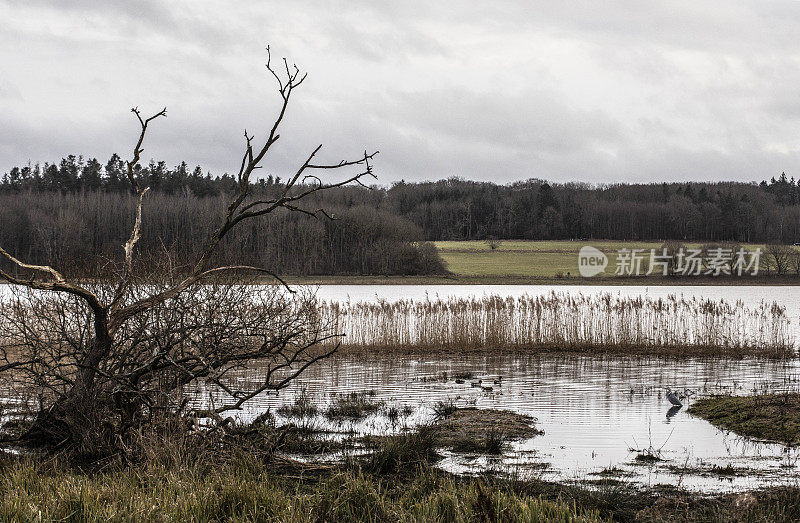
(534, 120)
(9, 91)
(617, 91)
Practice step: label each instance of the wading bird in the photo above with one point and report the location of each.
(673, 399)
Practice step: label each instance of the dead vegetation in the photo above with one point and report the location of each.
(560, 321)
(482, 431)
(354, 406)
(101, 359)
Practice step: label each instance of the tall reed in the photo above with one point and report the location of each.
(566, 321)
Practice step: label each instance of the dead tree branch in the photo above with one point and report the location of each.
(139, 342)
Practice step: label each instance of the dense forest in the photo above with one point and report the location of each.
(74, 213)
(535, 209)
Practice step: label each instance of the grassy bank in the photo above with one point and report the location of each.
(168, 472)
(773, 417)
(527, 262)
(250, 488)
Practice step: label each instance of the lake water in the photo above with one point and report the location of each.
(787, 296)
(596, 412)
(593, 410)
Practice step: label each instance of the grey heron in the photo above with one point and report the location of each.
(674, 399)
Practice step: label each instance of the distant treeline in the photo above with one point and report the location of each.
(80, 233)
(64, 211)
(76, 215)
(537, 210)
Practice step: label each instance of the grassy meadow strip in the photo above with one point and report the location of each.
(248, 491)
(673, 325)
(396, 483)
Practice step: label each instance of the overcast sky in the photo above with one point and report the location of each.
(590, 91)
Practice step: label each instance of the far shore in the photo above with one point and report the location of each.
(617, 281)
(662, 281)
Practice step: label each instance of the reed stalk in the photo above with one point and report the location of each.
(566, 321)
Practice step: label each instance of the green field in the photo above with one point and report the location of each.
(545, 261)
(529, 262)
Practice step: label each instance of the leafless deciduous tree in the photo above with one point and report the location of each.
(672, 250)
(779, 257)
(492, 242)
(115, 347)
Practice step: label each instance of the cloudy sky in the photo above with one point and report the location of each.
(562, 90)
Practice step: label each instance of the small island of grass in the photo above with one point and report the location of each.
(772, 417)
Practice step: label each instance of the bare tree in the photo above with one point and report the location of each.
(96, 345)
(229, 339)
(794, 262)
(492, 242)
(779, 257)
(673, 250)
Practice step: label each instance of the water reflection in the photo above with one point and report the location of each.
(673, 411)
(598, 413)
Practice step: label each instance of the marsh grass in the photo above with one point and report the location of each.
(717, 470)
(562, 321)
(403, 452)
(249, 491)
(648, 456)
(444, 409)
(392, 413)
(396, 483)
(304, 406)
(772, 417)
(354, 405)
(493, 443)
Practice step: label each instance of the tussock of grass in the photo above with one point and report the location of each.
(483, 431)
(444, 409)
(403, 452)
(774, 417)
(494, 442)
(355, 405)
(648, 457)
(303, 407)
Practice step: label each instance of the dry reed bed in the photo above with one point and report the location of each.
(567, 321)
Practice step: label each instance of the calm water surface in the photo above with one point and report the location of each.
(595, 412)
